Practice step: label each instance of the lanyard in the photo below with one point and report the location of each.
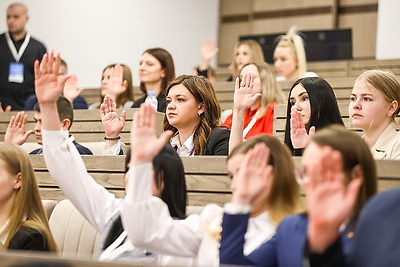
(17, 55)
(251, 124)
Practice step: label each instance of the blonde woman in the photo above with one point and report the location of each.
(23, 222)
(290, 57)
(374, 104)
(243, 52)
(254, 102)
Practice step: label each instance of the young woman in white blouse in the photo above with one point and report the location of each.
(150, 226)
(374, 104)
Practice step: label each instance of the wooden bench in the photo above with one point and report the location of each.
(207, 180)
(86, 126)
(206, 177)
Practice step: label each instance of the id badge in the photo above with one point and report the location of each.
(16, 74)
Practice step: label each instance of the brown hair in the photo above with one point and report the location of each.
(167, 64)
(284, 197)
(203, 91)
(354, 151)
(27, 203)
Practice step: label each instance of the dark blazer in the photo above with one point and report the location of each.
(162, 102)
(377, 234)
(286, 248)
(218, 142)
(79, 102)
(27, 238)
(81, 149)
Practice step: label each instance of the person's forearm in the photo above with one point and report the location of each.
(236, 136)
(50, 117)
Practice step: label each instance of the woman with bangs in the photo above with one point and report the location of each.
(23, 222)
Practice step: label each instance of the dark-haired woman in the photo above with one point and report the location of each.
(311, 106)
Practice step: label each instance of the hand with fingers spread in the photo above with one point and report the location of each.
(244, 97)
(15, 133)
(254, 175)
(329, 200)
(144, 142)
(71, 91)
(48, 84)
(116, 83)
(298, 132)
(208, 52)
(8, 108)
(112, 124)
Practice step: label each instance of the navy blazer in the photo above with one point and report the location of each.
(377, 239)
(286, 248)
(81, 149)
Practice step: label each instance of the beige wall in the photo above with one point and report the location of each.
(238, 17)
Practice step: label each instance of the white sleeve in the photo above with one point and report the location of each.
(67, 168)
(148, 222)
(114, 150)
(232, 209)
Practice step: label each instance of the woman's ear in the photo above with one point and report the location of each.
(393, 107)
(18, 181)
(125, 84)
(201, 108)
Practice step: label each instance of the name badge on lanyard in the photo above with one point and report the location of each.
(16, 72)
(16, 69)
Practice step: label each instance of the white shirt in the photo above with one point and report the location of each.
(149, 225)
(185, 150)
(92, 200)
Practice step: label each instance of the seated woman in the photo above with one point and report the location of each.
(94, 202)
(311, 106)
(193, 115)
(290, 57)
(253, 109)
(245, 51)
(23, 222)
(374, 104)
(339, 177)
(150, 226)
(116, 82)
(156, 71)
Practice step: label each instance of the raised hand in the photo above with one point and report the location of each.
(144, 142)
(112, 125)
(116, 84)
(298, 132)
(15, 133)
(330, 202)
(244, 97)
(8, 108)
(48, 84)
(208, 52)
(71, 91)
(254, 175)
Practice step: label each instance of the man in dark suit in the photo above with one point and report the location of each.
(16, 133)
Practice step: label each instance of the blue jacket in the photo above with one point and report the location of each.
(286, 248)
